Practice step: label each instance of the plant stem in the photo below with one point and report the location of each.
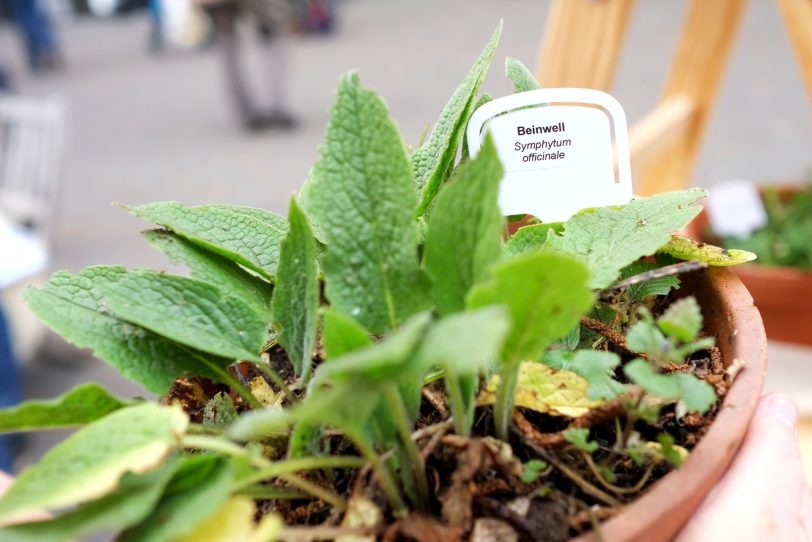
(403, 424)
(457, 402)
(381, 471)
(505, 393)
(302, 463)
(272, 493)
(259, 462)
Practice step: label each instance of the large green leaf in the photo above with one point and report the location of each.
(608, 239)
(188, 502)
(75, 307)
(89, 464)
(296, 297)
(134, 499)
(218, 271)
(187, 311)
(342, 334)
(83, 404)
(463, 238)
(362, 200)
(545, 294)
(433, 159)
(248, 236)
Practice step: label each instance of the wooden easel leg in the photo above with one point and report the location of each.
(798, 18)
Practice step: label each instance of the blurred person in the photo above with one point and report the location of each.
(271, 18)
(36, 29)
(9, 392)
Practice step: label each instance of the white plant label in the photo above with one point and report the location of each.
(558, 158)
(735, 208)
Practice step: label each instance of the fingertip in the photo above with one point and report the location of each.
(779, 407)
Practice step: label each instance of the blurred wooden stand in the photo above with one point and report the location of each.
(581, 48)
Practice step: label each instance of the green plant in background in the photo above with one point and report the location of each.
(319, 362)
(784, 241)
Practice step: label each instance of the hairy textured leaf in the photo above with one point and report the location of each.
(186, 505)
(695, 394)
(218, 271)
(296, 297)
(655, 286)
(342, 334)
(522, 78)
(187, 311)
(636, 229)
(685, 248)
(362, 198)
(89, 464)
(75, 307)
(682, 320)
(644, 337)
(463, 238)
(134, 499)
(248, 236)
(432, 160)
(83, 404)
(546, 390)
(532, 238)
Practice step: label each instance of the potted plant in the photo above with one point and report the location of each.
(780, 280)
(385, 364)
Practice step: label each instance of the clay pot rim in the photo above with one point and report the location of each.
(662, 511)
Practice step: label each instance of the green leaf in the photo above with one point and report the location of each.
(468, 342)
(597, 368)
(83, 404)
(187, 311)
(463, 238)
(342, 334)
(362, 200)
(636, 229)
(532, 470)
(296, 296)
(214, 269)
(580, 438)
(532, 238)
(670, 452)
(545, 294)
(247, 236)
(179, 512)
(134, 499)
(653, 287)
(482, 100)
(522, 78)
(645, 338)
(695, 394)
(220, 411)
(685, 248)
(89, 464)
(74, 307)
(431, 161)
(682, 320)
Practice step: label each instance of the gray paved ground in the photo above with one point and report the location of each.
(144, 128)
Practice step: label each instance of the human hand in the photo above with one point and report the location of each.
(764, 495)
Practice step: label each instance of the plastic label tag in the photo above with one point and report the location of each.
(735, 208)
(563, 150)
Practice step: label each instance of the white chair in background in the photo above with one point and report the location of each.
(31, 146)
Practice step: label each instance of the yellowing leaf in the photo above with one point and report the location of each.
(261, 390)
(550, 391)
(685, 248)
(234, 522)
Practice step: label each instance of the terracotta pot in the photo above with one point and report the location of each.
(730, 315)
(782, 294)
